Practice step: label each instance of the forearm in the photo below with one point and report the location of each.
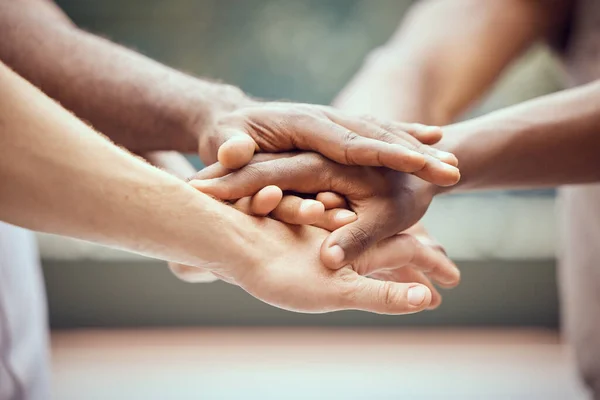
(137, 102)
(553, 140)
(445, 55)
(59, 176)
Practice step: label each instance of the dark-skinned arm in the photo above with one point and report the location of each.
(146, 106)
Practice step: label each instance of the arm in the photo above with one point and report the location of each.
(550, 141)
(60, 176)
(146, 106)
(137, 102)
(445, 55)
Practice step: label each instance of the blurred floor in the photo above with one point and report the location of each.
(312, 363)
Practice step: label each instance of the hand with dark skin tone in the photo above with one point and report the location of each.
(76, 183)
(413, 253)
(403, 258)
(109, 87)
(515, 147)
(146, 106)
(384, 201)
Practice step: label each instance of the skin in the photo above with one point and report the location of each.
(108, 86)
(516, 147)
(419, 259)
(374, 194)
(60, 176)
(437, 85)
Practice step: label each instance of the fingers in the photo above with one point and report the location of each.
(423, 133)
(298, 211)
(217, 170)
(439, 173)
(192, 274)
(332, 200)
(439, 167)
(405, 250)
(302, 173)
(236, 148)
(213, 171)
(335, 218)
(348, 147)
(347, 243)
(384, 297)
(404, 134)
(262, 203)
(409, 275)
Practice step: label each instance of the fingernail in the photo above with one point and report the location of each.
(308, 204)
(416, 295)
(337, 254)
(345, 215)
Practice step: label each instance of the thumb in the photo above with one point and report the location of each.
(350, 241)
(236, 148)
(385, 297)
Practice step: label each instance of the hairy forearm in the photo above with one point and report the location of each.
(60, 176)
(445, 55)
(550, 141)
(137, 102)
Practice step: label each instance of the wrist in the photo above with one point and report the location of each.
(210, 102)
(231, 252)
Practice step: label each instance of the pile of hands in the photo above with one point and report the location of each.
(331, 206)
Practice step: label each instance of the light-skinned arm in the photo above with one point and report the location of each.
(446, 54)
(58, 175)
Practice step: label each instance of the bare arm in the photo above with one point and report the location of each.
(137, 102)
(445, 55)
(550, 141)
(146, 106)
(59, 176)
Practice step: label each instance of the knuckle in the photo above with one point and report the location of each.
(349, 138)
(418, 147)
(360, 238)
(388, 295)
(252, 172)
(386, 135)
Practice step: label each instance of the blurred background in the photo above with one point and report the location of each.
(124, 327)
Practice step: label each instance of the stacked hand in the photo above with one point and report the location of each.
(369, 204)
